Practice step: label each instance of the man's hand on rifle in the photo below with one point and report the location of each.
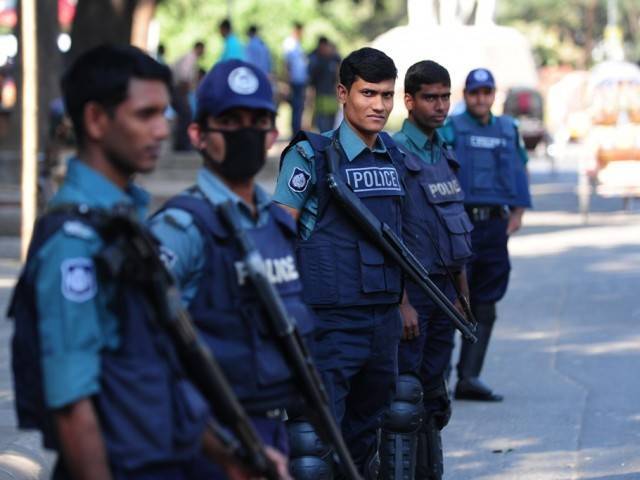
(410, 323)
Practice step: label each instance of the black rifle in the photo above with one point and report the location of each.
(292, 344)
(131, 254)
(387, 240)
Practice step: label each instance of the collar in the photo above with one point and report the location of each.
(353, 144)
(217, 192)
(99, 191)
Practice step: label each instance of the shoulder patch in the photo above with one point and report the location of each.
(78, 229)
(167, 256)
(299, 180)
(178, 218)
(78, 279)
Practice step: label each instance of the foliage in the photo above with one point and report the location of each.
(349, 23)
(561, 30)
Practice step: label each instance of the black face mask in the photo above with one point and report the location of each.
(244, 155)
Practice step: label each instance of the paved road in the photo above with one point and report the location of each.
(566, 353)
(566, 350)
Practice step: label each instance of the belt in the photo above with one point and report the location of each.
(272, 414)
(481, 213)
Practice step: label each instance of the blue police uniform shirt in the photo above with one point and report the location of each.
(414, 141)
(183, 243)
(75, 324)
(448, 134)
(296, 183)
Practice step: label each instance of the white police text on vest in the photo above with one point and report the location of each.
(445, 189)
(278, 270)
(477, 141)
(371, 179)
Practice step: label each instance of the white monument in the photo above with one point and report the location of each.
(447, 31)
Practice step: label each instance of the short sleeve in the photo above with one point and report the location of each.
(297, 178)
(71, 326)
(181, 249)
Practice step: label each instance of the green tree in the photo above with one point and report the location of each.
(566, 31)
(349, 23)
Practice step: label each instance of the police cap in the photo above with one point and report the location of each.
(479, 78)
(233, 84)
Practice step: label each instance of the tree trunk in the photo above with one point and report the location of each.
(49, 64)
(101, 21)
(142, 16)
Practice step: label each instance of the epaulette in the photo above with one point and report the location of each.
(78, 229)
(305, 150)
(178, 218)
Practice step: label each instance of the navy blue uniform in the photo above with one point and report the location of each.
(353, 289)
(93, 339)
(494, 179)
(203, 254)
(437, 230)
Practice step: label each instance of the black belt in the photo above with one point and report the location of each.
(480, 213)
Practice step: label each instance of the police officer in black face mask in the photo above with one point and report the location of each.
(233, 130)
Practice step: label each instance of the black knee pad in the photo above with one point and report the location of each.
(401, 425)
(310, 457)
(436, 396)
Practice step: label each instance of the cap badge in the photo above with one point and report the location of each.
(243, 81)
(481, 75)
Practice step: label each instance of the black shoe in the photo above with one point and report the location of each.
(473, 389)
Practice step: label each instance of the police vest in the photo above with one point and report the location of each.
(339, 265)
(491, 172)
(436, 227)
(148, 412)
(227, 309)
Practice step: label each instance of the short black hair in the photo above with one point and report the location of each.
(225, 24)
(102, 75)
(322, 40)
(252, 30)
(369, 64)
(298, 25)
(426, 72)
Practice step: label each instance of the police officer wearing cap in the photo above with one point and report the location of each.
(494, 179)
(233, 129)
(438, 231)
(91, 371)
(353, 289)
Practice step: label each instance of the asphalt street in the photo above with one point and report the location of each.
(565, 352)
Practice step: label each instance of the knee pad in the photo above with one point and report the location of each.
(310, 457)
(402, 422)
(429, 461)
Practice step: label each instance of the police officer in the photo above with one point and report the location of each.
(494, 180)
(103, 392)
(234, 128)
(437, 230)
(353, 289)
